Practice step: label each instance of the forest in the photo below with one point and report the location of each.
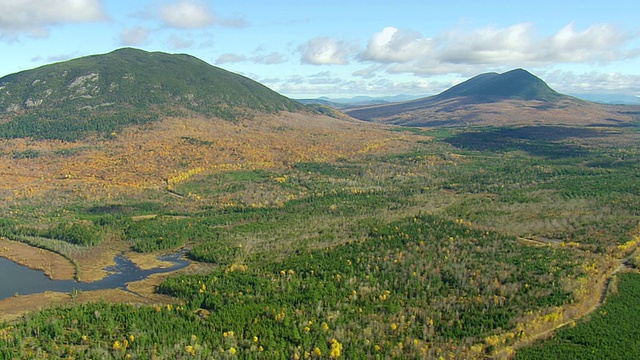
(469, 243)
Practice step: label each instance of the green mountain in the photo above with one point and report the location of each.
(102, 93)
(515, 84)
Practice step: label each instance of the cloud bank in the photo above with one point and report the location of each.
(134, 36)
(193, 14)
(34, 18)
(459, 51)
(325, 51)
(463, 51)
(187, 14)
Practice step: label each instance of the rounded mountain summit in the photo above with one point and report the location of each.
(516, 84)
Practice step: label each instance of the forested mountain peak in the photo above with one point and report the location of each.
(100, 93)
(515, 84)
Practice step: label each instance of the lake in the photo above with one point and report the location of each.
(18, 279)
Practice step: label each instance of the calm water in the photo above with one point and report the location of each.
(18, 279)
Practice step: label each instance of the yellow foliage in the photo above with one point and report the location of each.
(173, 180)
(477, 348)
(281, 179)
(190, 350)
(629, 245)
(336, 349)
(494, 340)
(590, 269)
(237, 267)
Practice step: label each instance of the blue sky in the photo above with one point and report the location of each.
(348, 47)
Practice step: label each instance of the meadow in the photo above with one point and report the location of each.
(457, 244)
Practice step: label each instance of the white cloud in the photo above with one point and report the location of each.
(326, 83)
(325, 51)
(266, 59)
(593, 82)
(230, 58)
(519, 44)
(302, 89)
(177, 42)
(369, 72)
(193, 14)
(269, 59)
(467, 52)
(34, 17)
(324, 78)
(313, 87)
(134, 36)
(487, 45)
(187, 14)
(600, 43)
(392, 45)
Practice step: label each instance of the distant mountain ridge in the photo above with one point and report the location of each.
(100, 93)
(619, 99)
(344, 103)
(511, 98)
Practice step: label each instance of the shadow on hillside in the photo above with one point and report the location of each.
(542, 141)
(115, 209)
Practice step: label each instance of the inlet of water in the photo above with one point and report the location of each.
(18, 279)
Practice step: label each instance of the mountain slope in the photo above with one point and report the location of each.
(512, 98)
(101, 93)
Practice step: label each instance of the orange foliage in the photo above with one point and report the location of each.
(174, 150)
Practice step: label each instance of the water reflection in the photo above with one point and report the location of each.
(18, 279)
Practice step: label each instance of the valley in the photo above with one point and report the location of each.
(312, 234)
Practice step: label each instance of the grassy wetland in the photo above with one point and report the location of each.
(312, 242)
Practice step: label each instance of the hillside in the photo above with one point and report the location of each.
(515, 97)
(102, 93)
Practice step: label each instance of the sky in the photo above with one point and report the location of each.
(309, 49)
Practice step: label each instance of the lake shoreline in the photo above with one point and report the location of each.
(54, 266)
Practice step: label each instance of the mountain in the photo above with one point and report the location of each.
(102, 93)
(515, 84)
(511, 98)
(105, 126)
